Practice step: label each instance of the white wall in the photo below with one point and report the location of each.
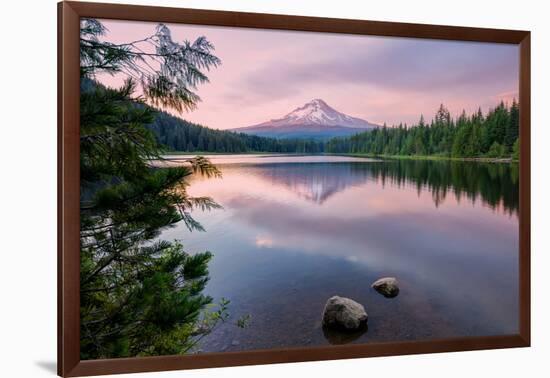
(28, 185)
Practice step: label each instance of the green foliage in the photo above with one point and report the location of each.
(142, 302)
(243, 321)
(497, 150)
(467, 136)
(168, 72)
(496, 185)
(139, 296)
(179, 135)
(175, 134)
(515, 150)
(111, 118)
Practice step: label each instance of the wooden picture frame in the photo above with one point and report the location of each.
(69, 13)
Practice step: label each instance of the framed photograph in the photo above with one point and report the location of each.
(240, 188)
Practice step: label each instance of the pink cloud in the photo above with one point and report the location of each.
(265, 74)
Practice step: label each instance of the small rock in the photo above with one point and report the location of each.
(344, 313)
(386, 286)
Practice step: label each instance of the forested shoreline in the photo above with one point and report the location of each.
(180, 135)
(493, 135)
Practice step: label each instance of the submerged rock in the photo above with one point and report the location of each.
(344, 313)
(386, 286)
(338, 337)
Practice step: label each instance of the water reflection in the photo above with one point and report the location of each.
(292, 235)
(496, 185)
(314, 182)
(339, 337)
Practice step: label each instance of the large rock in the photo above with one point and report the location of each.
(386, 286)
(344, 313)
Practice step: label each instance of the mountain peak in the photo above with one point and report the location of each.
(312, 119)
(318, 101)
(315, 105)
(318, 112)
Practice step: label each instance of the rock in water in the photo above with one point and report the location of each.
(344, 313)
(386, 286)
(336, 336)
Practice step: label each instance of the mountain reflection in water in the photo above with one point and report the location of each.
(494, 184)
(313, 182)
(294, 231)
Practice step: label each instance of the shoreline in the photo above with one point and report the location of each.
(202, 153)
(434, 157)
(386, 157)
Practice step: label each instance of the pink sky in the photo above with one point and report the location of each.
(266, 74)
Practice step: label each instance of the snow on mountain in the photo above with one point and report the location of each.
(314, 120)
(317, 112)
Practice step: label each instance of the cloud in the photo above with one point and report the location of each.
(267, 73)
(395, 64)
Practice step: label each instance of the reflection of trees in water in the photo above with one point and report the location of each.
(496, 185)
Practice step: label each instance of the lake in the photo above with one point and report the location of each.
(296, 230)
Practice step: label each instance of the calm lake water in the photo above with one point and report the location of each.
(295, 231)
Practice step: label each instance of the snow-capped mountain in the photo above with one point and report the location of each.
(318, 112)
(316, 119)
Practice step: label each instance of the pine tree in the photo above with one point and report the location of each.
(139, 296)
(468, 136)
(512, 129)
(515, 150)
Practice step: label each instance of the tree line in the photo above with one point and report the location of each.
(176, 134)
(180, 135)
(494, 135)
